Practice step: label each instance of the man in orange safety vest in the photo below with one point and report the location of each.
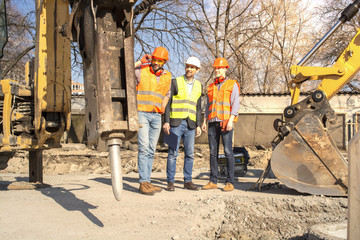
(153, 92)
(221, 113)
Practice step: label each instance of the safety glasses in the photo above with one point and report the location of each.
(158, 61)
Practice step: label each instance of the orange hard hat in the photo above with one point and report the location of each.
(161, 52)
(220, 62)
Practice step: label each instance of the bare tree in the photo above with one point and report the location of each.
(281, 44)
(165, 24)
(21, 42)
(223, 29)
(261, 39)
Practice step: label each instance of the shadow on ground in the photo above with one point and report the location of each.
(68, 200)
(63, 196)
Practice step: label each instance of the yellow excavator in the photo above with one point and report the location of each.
(36, 113)
(305, 156)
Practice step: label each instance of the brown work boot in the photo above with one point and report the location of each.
(210, 185)
(170, 187)
(145, 188)
(156, 189)
(228, 187)
(190, 186)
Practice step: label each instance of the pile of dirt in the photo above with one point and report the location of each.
(77, 158)
(263, 216)
(279, 217)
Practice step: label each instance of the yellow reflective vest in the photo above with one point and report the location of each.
(183, 105)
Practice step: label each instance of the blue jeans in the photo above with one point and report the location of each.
(148, 137)
(214, 133)
(188, 136)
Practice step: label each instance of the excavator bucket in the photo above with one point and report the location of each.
(307, 159)
(305, 156)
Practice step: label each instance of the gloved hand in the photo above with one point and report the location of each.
(223, 125)
(146, 59)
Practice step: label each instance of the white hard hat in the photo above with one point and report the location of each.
(193, 61)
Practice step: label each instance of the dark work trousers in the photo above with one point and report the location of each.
(214, 133)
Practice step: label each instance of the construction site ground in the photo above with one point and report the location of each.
(78, 203)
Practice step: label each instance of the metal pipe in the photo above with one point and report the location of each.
(319, 44)
(346, 15)
(115, 167)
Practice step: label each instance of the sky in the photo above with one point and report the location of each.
(25, 5)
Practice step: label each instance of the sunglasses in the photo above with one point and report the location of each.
(158, 61)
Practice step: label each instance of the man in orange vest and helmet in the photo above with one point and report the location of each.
(153, 92)
(221, 112)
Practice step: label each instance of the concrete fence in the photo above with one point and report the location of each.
(251, 129)
(256, 116)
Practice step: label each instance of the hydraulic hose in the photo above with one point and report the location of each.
(348, 13)
(115, 167)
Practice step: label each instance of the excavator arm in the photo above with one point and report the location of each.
(305, 156)
(334, 78)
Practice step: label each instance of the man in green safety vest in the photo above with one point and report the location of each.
(182, 120)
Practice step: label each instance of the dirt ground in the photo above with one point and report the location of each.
(79, 203)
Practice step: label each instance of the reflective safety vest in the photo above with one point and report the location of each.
(219, 100)
(150, 92)
(183, 105)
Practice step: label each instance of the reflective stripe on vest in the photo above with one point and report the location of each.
(183, 105)
(219, 100)
(150, 92)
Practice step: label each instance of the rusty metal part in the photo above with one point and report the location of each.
(258, 184)
(35, 166)
(305, 157)
(104, 33)
(133, 122)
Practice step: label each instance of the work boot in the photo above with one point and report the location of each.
(190, 186)
(156, 189)
(170, 187)
(228, 187)
(145, 188)
(210, 185)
